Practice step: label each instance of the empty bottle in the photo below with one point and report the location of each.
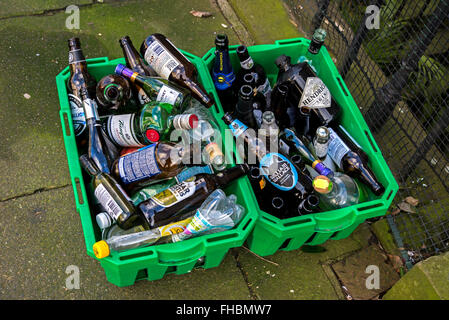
(339, 192)
(244, 108)
(259, 100)
(217, 213)
(316, 43)
(283, 110)
(113, 93)
(223, 74)
(171, 64)
(269, 131)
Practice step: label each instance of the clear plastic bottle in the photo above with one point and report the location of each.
(338, 192)
(217, 213)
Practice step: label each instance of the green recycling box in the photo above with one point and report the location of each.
(272, 234)
(151, 262)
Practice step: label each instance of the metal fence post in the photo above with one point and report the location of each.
(389, 95)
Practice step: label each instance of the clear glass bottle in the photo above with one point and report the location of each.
(339, 192)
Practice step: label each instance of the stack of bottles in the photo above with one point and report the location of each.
(148, 144)
(302, 159)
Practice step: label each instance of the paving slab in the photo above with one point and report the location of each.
(42, 241)
(33, 50)
(27, 7)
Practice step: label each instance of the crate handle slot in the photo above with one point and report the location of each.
(289, 41)
(343, 88)
(377, 205)
(78, 191)
(207, 55)
(223, 237)
(368, 135)
(136, 255)
(294, 223)
(97, 60)
(67, 128)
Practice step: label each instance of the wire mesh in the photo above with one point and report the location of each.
(398, 73)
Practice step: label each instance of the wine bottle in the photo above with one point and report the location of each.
(185, 196)
(289, 142)
(249, 66)
(158, 89)
(244, 108)
(170, 64)
(79, 78)
(276, 168)
(113, 94)
(150, 164)
(353, 161)
(111, 196)
(308, 91)
(154, 121)
(100, 149)
(223, 74)
(316, 43)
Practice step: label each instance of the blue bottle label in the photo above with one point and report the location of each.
(138, 165)
(192, 171)
(237, 128)
(222, 74)
(279, 171)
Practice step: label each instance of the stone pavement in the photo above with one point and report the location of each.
(40, 230)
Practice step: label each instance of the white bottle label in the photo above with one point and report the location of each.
(247, 64)
(175, 194)
(337, 148)
(78, 118)
(138, 165)
(315, 94)
(119, 128)
(265, 88)
(108, 203)
(168, 95)
(160, 59)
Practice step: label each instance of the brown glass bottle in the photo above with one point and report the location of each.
(135, 62)
(79, 79)
(171, 64)
(113, 94)
(111, 196)
(167, 205)
(149, 164)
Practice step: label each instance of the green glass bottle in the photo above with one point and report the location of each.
(111, 196)
(154, 121)
(157, 89)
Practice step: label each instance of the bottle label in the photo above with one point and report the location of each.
(337, 148)
(108, 203)
(237, 127)
(138, 165)
(142, 96)
(283, 147)
(258, 116)
(168, 95)
(320, 148)
(213, 150)
(175, 194)
(265, 88)
(90, 109)
(160, 59)
(189, 172)
(120, 130)
(315, 94)
(78, 118)
(247, 64)
(175, 227)
(278, 170)
(76, 56)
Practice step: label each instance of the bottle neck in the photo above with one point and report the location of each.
(132, 58)
(77, 61)
(225, 177)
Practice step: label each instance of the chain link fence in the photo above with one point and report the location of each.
(394, 58)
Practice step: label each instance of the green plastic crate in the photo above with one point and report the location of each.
(153, 262)
(270, 233)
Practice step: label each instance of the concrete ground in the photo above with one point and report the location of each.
(40, 230)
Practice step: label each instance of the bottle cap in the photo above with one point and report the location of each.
(282, 61)
(322, 133)
(152, 135)
(185, 121)
(101, 249)
(119, 69)
(322, 184)
(227, 118)
(74, 42)
(123, 40)
(103, 220)
(319, 35)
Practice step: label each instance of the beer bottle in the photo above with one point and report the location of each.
(222, 73)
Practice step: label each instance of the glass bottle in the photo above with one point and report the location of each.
(157, 89)
(316, 43)
(113, 93)
(269, 131)
(244, 108)
(170, 64)
(165, 206)
(79, 79)
(111, 196)
(339, 192)
(284, 112)
(223, 74)
(259, 100)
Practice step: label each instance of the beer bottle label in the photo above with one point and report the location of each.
(78, 118)
(265, 88)
(315, 94)
(168, 95)
(108, 203)
(247, 64)
(337, 148)
(120, 130)
(189, 172)
(237, 127)
(138, 165)
(175, 227)
(279, 171)
(160, 59)
(175, 194)
(76, 56)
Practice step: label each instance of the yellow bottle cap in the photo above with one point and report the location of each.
(101, 249)
(322, 184)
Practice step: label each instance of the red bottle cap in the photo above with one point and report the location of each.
(152, 135)
(193, 121)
